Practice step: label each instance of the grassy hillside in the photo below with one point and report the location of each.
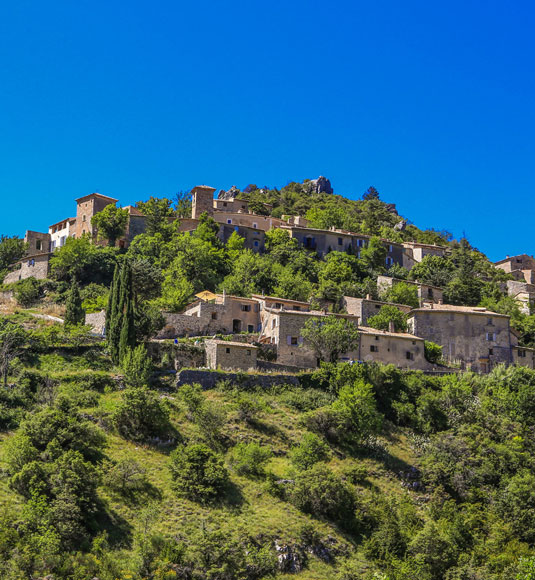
(362, 472)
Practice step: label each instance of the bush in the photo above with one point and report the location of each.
(433, 352)
(311, 450)
(137, 366)
(126, 477)
(388, 314)
(27, 291)
(249, 458)
(324, 421)
(248, 408)
(141, 415)
(198, 472)
(319, 492)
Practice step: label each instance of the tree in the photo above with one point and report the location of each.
(11, 250)
(183, 204)
(433, 352)
(121, 330)
(433, 270)
(198, 472)
(74, 313)
(373, 255)
(12, 339)
(27, 291)
(357, 413)
(111, 223)
(330, 336)
(402, 293)
(370, 193)
(137, 366)
(310, 451)
(386, 315)
(157, 212)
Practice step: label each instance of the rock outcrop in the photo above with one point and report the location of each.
(229, 195)
(320, 185)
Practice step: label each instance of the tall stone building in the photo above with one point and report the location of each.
(86, 207)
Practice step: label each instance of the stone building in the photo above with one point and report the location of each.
(398, 348)
(365, 308)
(523, 293)
(476, 338)
(281, 303)
(32, 266)
(521, 267)
(524, 356)
(221, 314)
(414, 252)
(86, 207)
(425, 292)
(226, 355)
(282, 328)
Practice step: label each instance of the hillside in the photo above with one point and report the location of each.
(111, 471)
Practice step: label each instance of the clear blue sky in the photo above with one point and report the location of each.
(432, 103)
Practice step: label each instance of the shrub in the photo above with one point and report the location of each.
(311, 450)
(385, 316)
(433, 352)
(198, 472)
(319, 492)
(137, 366)
(324, 421)
(126, 477)
(27, 291)
(249, 458)
(141, 415)
(248, 408)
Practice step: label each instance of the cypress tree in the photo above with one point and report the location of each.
(128, 330)
(116, 314)
(111, 309)
(74, 313)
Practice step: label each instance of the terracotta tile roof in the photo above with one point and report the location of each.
(460, 309)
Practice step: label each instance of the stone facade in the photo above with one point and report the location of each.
(523, 293)
(426, 293)
(36, 266)
(86, 208)
(521, 267)
(414, 253)
(227, 355)
(365, 308)
(38, 243)
(524, 356)
(476, 338)
(400, 349)
(202, 201)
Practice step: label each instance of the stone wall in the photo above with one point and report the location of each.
(221, 354)
(176, 356)
(97, 321)
(401, 350)
(32, 266)
(209, 379)
(365, 308)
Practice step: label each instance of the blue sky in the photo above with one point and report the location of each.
(432, 103)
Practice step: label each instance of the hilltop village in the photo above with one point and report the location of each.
(473, 338)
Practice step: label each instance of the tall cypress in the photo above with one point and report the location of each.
(128, 329)
(74, 313)
(111, 309)
(116, 314)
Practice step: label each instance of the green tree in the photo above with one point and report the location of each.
(74, 313)
(433, 270)
(198, 472)
(373, 255)
(402, 293)
(182, 204)
(310, 450)
(12, 340)
(157, 212)
(137, 366)
(12, 249)
(330, 336)
(433, 352)
(370, 193)
(27, 291)
(111, 223)
(386, 315)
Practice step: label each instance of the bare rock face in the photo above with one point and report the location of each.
(320, 185)
(229, 195)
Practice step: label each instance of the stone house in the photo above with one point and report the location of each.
(521, 267)
(524, 356)
(281, 303)
(425, 292)
(398, 348)
(365, 308)
(414, 252)
(226, 355)
(523, 293)
(36, 266)
(475, 337)
(283, 328)
(222, 314)
(86, 207)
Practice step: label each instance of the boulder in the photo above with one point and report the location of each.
(320, 185)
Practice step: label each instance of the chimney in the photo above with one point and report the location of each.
(391, 327)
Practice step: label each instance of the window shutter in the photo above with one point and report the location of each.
(289, 340)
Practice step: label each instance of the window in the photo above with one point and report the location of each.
(214, 315)
(248, 352)
(83, 218)
(491, 351)
(298, 308)
(250, 328)
(430, 292)
(227, 350)
(38, 245)
(224, 204)
(255, 243)
(521, 353)
(255, 226)
(489, 322)
(278, 305)
(390, 248)
(31, 262)
(229, 221)
(374, 348)
(376, 338)
(294, 341)
(340, 241)
(274, 323)
(246, 307)
(378, 306)
(389, 261)
(491, 336)
(409, 355)
(360, 243)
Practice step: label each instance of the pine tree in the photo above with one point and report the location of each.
(74, 313)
